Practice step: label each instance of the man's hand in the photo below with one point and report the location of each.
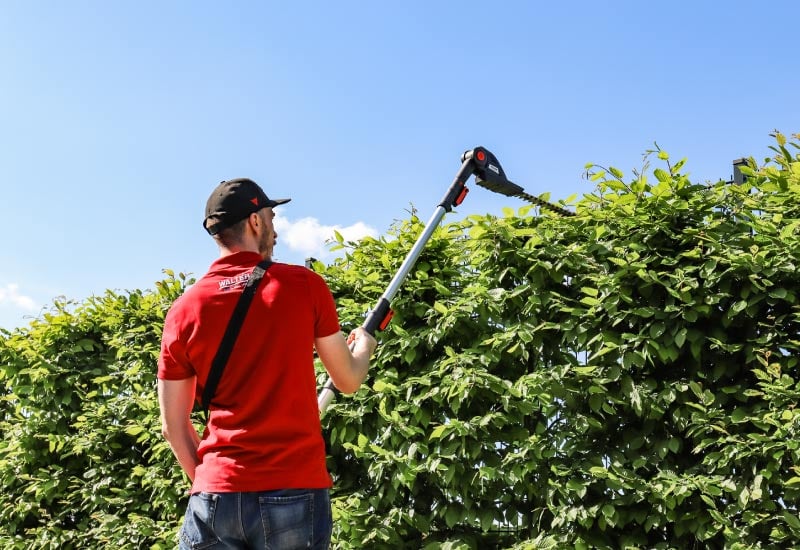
(347, 368)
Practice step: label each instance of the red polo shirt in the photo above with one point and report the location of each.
(264, 431)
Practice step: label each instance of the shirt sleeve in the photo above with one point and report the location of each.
(327, 320)
(173, 361)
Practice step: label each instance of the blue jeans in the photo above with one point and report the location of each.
(274, 520)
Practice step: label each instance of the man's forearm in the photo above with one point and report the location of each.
(175, 398)
(184, 447)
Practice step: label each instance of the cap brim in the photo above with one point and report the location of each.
(276, 202)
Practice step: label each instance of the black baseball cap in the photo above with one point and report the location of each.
(234, 200)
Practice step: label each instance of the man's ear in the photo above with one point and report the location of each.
(254, 220)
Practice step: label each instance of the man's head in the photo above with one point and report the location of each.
(233, 201)
(239, 217)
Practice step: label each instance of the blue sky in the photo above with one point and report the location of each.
(118, 118)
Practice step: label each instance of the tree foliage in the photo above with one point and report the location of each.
(625, 378)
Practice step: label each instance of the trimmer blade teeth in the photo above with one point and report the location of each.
(547, 205)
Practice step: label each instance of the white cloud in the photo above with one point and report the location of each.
(9, 294)
(309, 237)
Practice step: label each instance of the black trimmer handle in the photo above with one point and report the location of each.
(378, 318)
(489, 173)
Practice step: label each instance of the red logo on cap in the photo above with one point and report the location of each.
(254, 200)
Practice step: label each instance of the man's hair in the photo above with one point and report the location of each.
(232, 235)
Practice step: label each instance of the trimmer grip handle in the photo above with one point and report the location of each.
(378, 318)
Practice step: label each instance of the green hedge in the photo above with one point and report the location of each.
(82, 460)
(626, 378)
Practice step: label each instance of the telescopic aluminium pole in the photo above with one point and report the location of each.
(380, 316)
(488, 174)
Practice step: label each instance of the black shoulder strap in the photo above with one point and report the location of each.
(231, 333)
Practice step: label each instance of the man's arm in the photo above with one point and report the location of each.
(175, 398)
(347, 369)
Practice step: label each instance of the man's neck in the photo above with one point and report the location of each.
(227, 251)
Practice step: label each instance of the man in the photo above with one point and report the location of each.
(258, 473)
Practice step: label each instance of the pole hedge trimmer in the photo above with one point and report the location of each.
(489, 174)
